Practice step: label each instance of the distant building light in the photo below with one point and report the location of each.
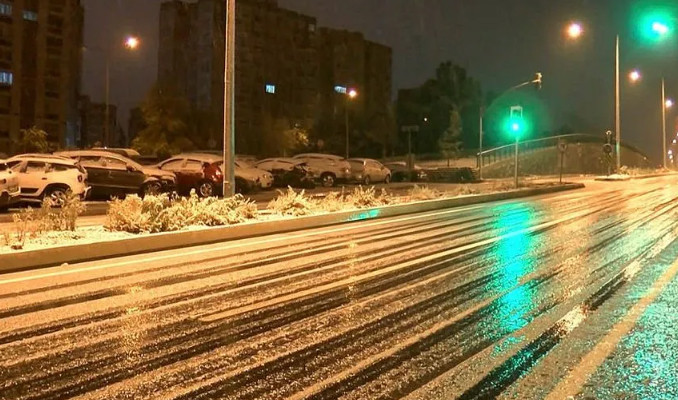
(6, 78)
(270, 89)
(30, 15)
(5, 9)
(341, 89)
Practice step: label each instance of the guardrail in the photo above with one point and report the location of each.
(497, 154)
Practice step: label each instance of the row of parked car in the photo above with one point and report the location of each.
(103, 173)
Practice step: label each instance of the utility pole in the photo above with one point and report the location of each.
(617, 108)
(409, 129)
(229, 102)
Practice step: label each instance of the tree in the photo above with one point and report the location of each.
(429, 106)
(282, 137)
(382, 131)
(34, 140)
(450, 141)
(166, 115)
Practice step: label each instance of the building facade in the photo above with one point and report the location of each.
(286, 68)
(93, 124)
(40, 68)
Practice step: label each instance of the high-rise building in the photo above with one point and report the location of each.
(40, 68)
(286, 67)
(93, 124)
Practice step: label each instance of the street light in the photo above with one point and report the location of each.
(575, 30)
(350, 95)
(665, 105)
(130, 43)
(635, 76)
(229, 102)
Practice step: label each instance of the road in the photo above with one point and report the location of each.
(555, 296)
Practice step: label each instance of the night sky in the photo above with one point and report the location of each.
(500, 42)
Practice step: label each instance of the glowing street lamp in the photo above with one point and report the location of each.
(132, 42)
(350, 95)
(574, 30)
(635, 76)
(668, 103)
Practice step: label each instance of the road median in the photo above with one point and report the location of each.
(58, 255)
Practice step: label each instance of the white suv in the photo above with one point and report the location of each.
(46, 176)
(9, 186)
(328, 168)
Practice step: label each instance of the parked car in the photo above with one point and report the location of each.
(129, 153)
(288, 172)
(367, 171)
(202, 172)
(111, 174)
(49, 177)
(10, 191)
(328, 169)
(400, 173)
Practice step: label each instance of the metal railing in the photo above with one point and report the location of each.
(498, 154)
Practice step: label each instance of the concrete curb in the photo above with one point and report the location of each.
(637, 177)
(23, 260)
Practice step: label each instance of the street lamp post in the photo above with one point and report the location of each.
(229, 102)
(131, 43)
(617, 107)
(350, 95)
(666, 104)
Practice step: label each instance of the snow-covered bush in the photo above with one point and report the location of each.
(367, 198)
(291, 203)
(154, 214)
(333, 202)
(423, 193)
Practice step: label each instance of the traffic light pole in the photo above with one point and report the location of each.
(229, 102)
(483, 110)
(515, 172)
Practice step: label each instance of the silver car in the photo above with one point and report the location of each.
(328, 169)
(368, 171)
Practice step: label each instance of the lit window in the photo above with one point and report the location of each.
(270, 89)
(6, 78)
(5, 9)
(30, 15)
(340, 89)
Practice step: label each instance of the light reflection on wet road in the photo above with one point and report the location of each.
(498, 300)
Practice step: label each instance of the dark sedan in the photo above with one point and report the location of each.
(288, 172)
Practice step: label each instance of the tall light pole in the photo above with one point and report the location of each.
(666, 104)
(617, 106)
(350, 95)
(131, 43)
(229, 102)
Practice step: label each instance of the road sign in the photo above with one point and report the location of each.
(607, 148)
(562, 146)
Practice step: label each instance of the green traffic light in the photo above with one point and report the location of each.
(656, 23)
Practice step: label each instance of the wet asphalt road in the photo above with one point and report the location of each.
(549, 297)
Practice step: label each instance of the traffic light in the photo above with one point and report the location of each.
(516, 123)
(538, 80)
(655, 23)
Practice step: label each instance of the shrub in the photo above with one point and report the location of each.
(423, 193)
(31, 223)
(334, 201)
(367, 198)
(292, 203)
(154, 214)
